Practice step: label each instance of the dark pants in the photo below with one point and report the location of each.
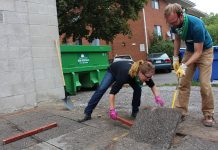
(136, 100)
(105, 84)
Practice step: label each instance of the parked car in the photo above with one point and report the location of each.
(123, 58)
(161, 61)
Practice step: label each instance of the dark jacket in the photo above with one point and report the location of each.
(120, 71)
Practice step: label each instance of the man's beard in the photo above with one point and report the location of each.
(180, 25)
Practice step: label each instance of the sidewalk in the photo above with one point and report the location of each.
(102, 132)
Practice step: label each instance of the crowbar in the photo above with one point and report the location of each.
(125, 121)
(29, 133)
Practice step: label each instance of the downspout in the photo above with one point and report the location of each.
(145, 29)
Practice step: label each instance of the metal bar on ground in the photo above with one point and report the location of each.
(29, 133)
(125, 121)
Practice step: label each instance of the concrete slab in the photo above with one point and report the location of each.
(105, 123)
(27, 116)
(74, 114)
(4, 124)
(155, 126)
(127, 143)
(7, 130)
(88, 138)
(58, 108)
(42, 146)
(35, 118)
(100, 118)
(193, 127)
(65, 125)
(193, 143)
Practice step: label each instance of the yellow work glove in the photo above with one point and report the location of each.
(175, 63)
(181, 71)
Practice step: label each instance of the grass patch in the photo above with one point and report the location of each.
(214, 85)
(172, 84)
(195, 83)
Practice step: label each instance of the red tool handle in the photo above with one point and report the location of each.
(125, 121)
(29, 133)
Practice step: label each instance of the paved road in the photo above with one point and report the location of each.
(161, 78)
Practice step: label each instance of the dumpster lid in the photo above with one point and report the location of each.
(84, 48)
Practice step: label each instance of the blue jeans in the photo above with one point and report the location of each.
(105, 84)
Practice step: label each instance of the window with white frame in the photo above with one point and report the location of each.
(157, 30)
(155, 4)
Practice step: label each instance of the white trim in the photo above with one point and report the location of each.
(145, 29)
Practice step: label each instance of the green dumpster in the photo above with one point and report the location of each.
(83, 66)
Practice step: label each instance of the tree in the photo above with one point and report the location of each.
(97, 19)
(159, 45)
(211, 23)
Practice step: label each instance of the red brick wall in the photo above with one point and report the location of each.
(153, 17)
(132, 46)
(156, 17)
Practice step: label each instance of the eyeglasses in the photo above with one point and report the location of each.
(148, 77)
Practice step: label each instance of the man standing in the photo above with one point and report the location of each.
(199, 53)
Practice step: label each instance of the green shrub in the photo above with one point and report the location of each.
(160, 45)
(213, 30)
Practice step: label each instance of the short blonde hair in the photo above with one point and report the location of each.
(143, 66)
(172, 8)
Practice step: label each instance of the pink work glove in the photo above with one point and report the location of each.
(159, 101)
(113, 114)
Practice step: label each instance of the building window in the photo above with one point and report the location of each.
(155, 4)
(157, 30)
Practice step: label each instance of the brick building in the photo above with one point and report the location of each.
(151, 19)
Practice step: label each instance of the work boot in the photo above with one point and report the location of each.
(86, 117)
(208, 121)
(134, 114)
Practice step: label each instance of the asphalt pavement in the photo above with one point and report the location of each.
(101, 132)
(163, 78)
